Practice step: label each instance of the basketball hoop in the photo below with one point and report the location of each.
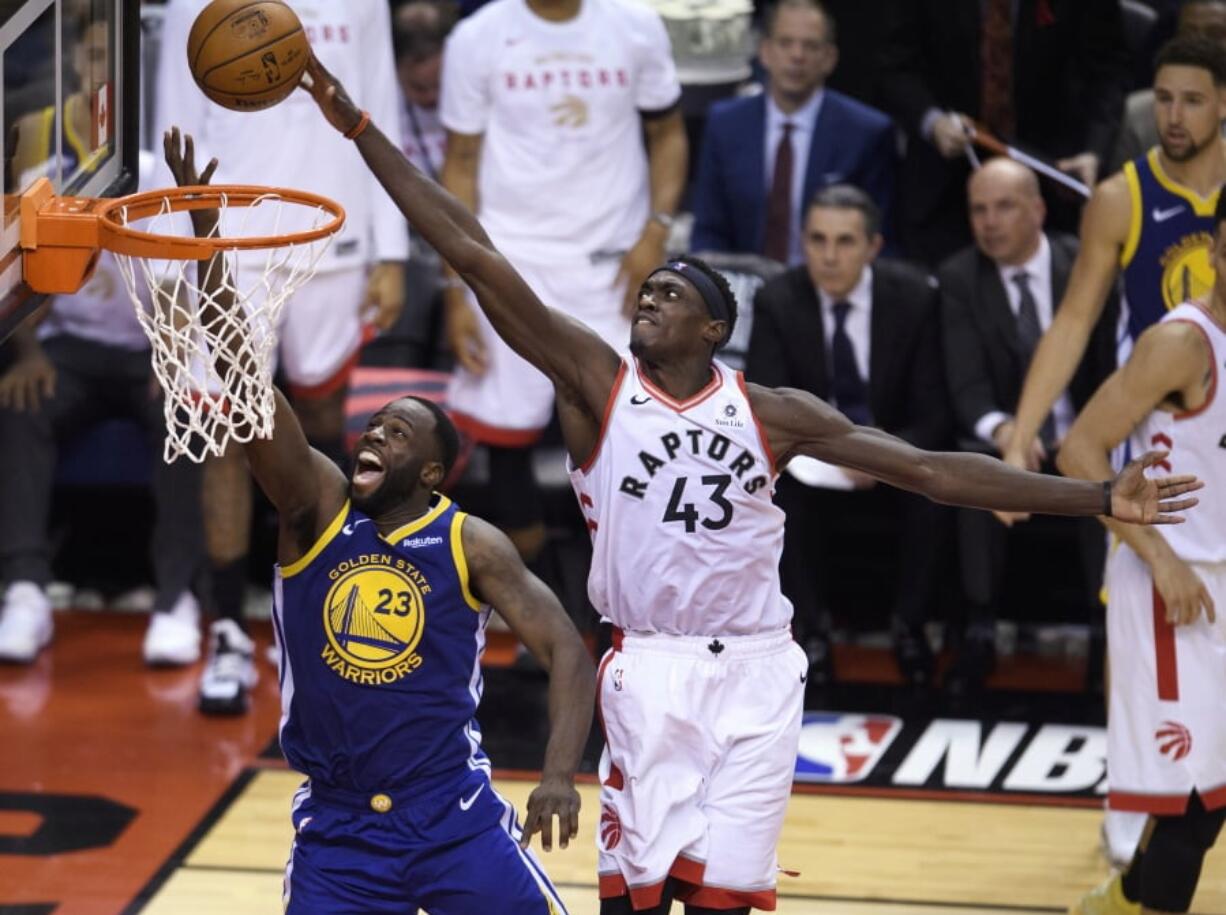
(213, 336)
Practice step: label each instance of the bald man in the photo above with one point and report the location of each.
(997, 297)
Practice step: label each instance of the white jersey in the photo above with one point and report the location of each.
(563, 171)
(1195, 440)
(677, 496)
(290, 144)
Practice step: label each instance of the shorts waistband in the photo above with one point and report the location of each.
(707, 647)
(385, 799)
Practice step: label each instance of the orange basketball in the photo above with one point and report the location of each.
(247, 55)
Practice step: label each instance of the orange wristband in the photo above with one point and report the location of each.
(356, 130)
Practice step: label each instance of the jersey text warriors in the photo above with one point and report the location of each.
(677, 495)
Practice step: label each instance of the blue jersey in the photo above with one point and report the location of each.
(1166, 259)
(381, 644)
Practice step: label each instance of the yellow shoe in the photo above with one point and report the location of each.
(1106, 899)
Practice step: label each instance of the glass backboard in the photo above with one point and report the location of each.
(70, 74)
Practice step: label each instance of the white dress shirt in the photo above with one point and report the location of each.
(803, 120)
(858, 324)
(1038, 274)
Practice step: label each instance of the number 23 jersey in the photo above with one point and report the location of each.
(677, 497)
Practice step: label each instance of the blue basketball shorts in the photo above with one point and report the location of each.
(454, 851)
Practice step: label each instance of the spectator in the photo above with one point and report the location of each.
(1139, 131)
(89, 361)
(863, 333)
(996, 61)
(997, 298)
(762, 157)
(322, 331)
(419, 31)
(546, 104)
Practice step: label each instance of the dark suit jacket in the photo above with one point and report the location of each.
(906, 385)
(852, 143)
(983, 359)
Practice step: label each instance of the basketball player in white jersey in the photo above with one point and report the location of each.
(674, 458)
(1166, 725)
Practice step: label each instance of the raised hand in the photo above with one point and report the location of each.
(331, 96)
(1140, 500)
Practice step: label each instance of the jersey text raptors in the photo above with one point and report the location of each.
(685, 537)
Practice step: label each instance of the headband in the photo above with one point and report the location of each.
(717, 305)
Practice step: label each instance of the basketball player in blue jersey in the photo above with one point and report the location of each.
(382, 593)
(1152, 221)
(695, 781)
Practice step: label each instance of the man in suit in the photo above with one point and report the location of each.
(997, 298)
(1049, 75)
(863, 333)
(764, 155)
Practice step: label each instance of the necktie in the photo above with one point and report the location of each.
(779, 202)
(996, 68)
(1028, 333)
(846, 384)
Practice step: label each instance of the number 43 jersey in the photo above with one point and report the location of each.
(677, 497)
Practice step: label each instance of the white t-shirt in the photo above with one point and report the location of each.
(290, 144)
(563, 171)
(685, 537)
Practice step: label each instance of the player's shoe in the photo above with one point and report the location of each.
(1106, 899)
(173, 637)
(230, 672)
(26, 626)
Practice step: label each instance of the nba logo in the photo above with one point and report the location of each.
(837, 748)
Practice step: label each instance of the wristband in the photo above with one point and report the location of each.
(1107, 498)
(356, 130)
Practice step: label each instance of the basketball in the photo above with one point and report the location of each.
(247, 55)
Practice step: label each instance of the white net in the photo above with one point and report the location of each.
(213, 324)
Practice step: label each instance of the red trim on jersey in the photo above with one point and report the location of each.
(717, 380)
(1188, 414)
(604, 423)
(1161, 804)
(1208, 314)
(330, 385)
(1164, 649)
(619, 638)
(608, 656)
(616, 780)
(714, 897)
(495, 435)
(686, 870)
(766, 445)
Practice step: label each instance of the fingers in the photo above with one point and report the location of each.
(546, 822)
(1178, 505)
(1167, 519)
(1150, 458)
(208, 171)
(572, 824)
(1174, 486)
(1206, 601)
(531, 825)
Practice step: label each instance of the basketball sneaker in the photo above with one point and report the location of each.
(1106, 899)
(230, 672)
(173, 636)
(26, 626)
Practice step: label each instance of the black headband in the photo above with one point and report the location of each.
(717, 305)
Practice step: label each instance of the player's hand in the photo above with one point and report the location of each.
(552, 797)
(464, 333)
(331, 96)
(949, 134)
(384, 298)
(1140, 500)
(1183, 593)
(1023, 458)
(180, 154)
(30, 380)
(1083, 167)
(646, 255)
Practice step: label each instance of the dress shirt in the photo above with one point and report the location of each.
(858, 325)
(803, 120)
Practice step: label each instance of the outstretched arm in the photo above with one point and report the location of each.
(798, 423)
(500, 578)
(304, 485)
(570, 354)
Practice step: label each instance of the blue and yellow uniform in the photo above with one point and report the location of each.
(381, 643)
(1166, 259)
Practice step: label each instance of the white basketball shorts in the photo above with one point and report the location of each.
(1166, 722)
(701, 737)
(511, 403)
(322, 331)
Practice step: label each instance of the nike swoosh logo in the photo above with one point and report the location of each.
(638, 401)
(348, 528)
(1164, 215)
(465, 804)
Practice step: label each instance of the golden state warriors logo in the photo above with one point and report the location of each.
(374, 616)
(1187, 271)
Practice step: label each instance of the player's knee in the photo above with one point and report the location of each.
(1175, 854)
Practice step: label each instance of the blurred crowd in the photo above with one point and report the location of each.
(894, 188)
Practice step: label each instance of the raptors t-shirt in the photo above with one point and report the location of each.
(563, 170)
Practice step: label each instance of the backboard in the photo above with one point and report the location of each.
(70, 75)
